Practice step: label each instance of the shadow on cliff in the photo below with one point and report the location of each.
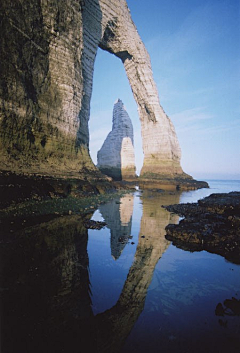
(121, 171)
(92, 37)
(91, 41)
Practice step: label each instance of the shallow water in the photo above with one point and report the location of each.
(122, 288)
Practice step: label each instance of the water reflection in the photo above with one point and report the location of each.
(118, 216)
(45, 289)
(116, 323)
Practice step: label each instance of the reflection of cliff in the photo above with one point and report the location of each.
(118, 216)
(154, 220)
(46, 299)
(45, 289)
(115, 324)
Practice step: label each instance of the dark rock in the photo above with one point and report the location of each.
(219, 311)
(212, 224)
(231, 307)
(17, 188)
(222, 323)
(91, 224)
(123, 239)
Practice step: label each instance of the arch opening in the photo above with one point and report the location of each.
(110, 83)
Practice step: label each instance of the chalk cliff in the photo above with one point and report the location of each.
(47, 54)
(116, 157)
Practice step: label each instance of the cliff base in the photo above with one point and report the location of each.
(170, 182)
(17, 188)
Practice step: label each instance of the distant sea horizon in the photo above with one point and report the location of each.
(215, 186)
(234, 178)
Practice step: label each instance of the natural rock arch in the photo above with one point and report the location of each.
(120, 37)
(48, 49)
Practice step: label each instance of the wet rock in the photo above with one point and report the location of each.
(212, 224)
(91, 224)
(17, 188)
(123, 239)
(231, 307)
(219, 311)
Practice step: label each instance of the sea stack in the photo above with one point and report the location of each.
(116, 157)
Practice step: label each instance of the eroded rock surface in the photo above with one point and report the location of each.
(212, 224)
(47, 55)
(116, 157)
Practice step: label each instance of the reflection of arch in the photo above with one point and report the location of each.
(115, 324)
(46, 302)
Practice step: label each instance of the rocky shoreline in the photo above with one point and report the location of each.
(171, 183)
(18, 188)
(211, 224)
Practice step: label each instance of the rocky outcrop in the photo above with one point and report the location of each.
(47, 54)
(212, 224)
(16, 189)
(116, 157)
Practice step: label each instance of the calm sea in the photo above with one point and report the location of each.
(166, 297)
(124, 288)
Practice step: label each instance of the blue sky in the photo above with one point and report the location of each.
(195, 53)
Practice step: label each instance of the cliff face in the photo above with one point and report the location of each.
(47, 54)
(160, 145)
(116, 157)
(41, 87)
